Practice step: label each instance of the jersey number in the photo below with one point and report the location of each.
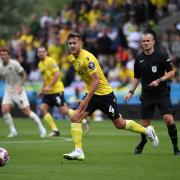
(111, 109)
(58, 100)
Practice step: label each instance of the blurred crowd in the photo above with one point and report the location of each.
(111, 31)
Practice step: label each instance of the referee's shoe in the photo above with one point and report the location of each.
(139, 148)
(176, 151)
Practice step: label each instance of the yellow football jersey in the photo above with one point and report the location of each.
(85, 65)
(48, 67)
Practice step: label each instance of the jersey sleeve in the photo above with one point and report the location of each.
(53, 66)
(18, 67)
(167, 63)
(90, 65)
(137, 73)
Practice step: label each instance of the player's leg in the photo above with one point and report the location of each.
(110, 108)
(147, 111)
(63, 108)
(76, 132)
(131, 125)
(23, 103)
(6, 109)
(67, 111)
(28, 112)
(44, 109)
(172, 131)
(49, 100)
(139, 148)
(165, 108)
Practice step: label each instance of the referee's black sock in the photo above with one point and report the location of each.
(172, 130)
(143, 139)
(140, 146)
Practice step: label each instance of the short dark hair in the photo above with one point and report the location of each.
(4, 50)
(149, 33)
(74, 34)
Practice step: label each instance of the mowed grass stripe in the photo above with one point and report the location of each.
(109, 155)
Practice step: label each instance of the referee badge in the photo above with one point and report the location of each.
(154, 69)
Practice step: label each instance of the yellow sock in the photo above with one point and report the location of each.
(71, 112)
(135, 127)
(50, 121)
(76, 132)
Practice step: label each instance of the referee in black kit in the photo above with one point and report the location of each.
(153, 69)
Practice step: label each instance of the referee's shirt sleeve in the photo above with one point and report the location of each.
(167, 63)
(137, 73)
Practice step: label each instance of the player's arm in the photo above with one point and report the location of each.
(23, 78)
(52, 83)
(55, 79)
(22, 82)
(93, 86)
(169, 74)
(135, 83)
(41, 91)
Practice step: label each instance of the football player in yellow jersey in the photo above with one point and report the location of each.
(99, 96)
(52, 91)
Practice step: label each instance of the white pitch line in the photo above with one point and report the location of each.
(35, 141)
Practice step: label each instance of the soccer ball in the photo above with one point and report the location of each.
(4, 157)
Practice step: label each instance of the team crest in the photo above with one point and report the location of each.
(154, 69)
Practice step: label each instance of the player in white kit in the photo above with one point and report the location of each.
(13, 74)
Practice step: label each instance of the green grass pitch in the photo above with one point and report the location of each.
(108, 151)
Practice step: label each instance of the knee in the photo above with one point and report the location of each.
(26, 111)
(43, 110)
(119, 123)
(64, 110)
(168, 118)
(74, 119)
(145, 123)
(5, 109)
(77, 117)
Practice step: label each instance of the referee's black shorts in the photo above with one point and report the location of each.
(106, 103)
(148, 105)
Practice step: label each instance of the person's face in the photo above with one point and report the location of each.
(4, 56)
(42, 53)
(147, 42)
(74, 45)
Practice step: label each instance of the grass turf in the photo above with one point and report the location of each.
(108, 151)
